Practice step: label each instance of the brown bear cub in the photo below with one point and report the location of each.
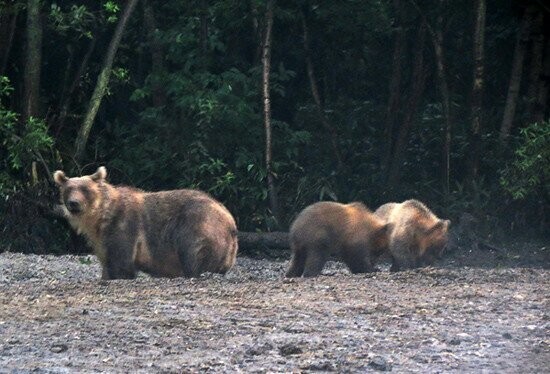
(417, 238)
(350, 231)
(166, 234)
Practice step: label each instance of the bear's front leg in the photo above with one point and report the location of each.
(119, 261)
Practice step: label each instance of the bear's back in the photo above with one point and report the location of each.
(334, 222)
(411, 216)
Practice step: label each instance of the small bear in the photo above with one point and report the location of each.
(417, 237)
(350, 231)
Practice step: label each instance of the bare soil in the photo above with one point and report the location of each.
(487, 316)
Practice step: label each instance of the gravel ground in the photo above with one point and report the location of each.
(57, 316)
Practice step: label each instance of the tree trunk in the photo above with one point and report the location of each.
(515, 75)
(157, 56)
(477, 86)
(535, 66)
(266, 60)
(418, 83)
(437, 39)
(204, 25)
(256, 32)
(68, 98)
(394, 100)
(443, 87)
(33, 58)
(539, 114)
(8, 22)
(102, 82)
(254, 240)
(329, 127)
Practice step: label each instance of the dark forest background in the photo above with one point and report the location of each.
(444, 101)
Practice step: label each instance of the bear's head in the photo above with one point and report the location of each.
(433, 241)
(80, 194)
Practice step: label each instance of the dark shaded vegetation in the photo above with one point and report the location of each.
(442, 101)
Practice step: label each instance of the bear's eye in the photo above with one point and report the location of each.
(85, 191)
(68, 191)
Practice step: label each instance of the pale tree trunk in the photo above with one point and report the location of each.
(535, 66)
(102, 81)
(256, 32)
(477, 86)
(394, 100)
(8, 22)
(515, 75)
(33, 58)
(266, 61)
(329, 127)
(418, 84)
(157, 56)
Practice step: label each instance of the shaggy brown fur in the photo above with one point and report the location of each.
(418, 237)
(350, 231)
(166, 234)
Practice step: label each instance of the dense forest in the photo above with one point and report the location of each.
(272, 105)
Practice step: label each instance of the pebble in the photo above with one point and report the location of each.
(379, 363)
(290, 349)
(59, 348)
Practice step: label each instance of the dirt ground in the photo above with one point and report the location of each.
(476, 312)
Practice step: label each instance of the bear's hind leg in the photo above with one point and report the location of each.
(394, 266)
(194, 258)
(357, 260)
(315, 261)
(297, 263)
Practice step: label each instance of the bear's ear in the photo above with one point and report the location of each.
(439, 225)
(388, 227)
(100, 174)
(59, 177)
(385, 229)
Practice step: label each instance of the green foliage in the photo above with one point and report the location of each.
(22, 142)
(529, 172)
(112, 8)
(77, 20)
(185, 109)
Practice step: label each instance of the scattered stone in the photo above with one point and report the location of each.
(59, 348)
(379, 363)
(258, 350)
(420, 359)
(455, 341)
(248, 321)
(290, 349)
(320, 366)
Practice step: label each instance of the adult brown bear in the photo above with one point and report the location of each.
(350, 231)
(166, 234)
(417, 237)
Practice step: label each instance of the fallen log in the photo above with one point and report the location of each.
(257, 240)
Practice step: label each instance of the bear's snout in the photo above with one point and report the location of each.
(74, 206)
